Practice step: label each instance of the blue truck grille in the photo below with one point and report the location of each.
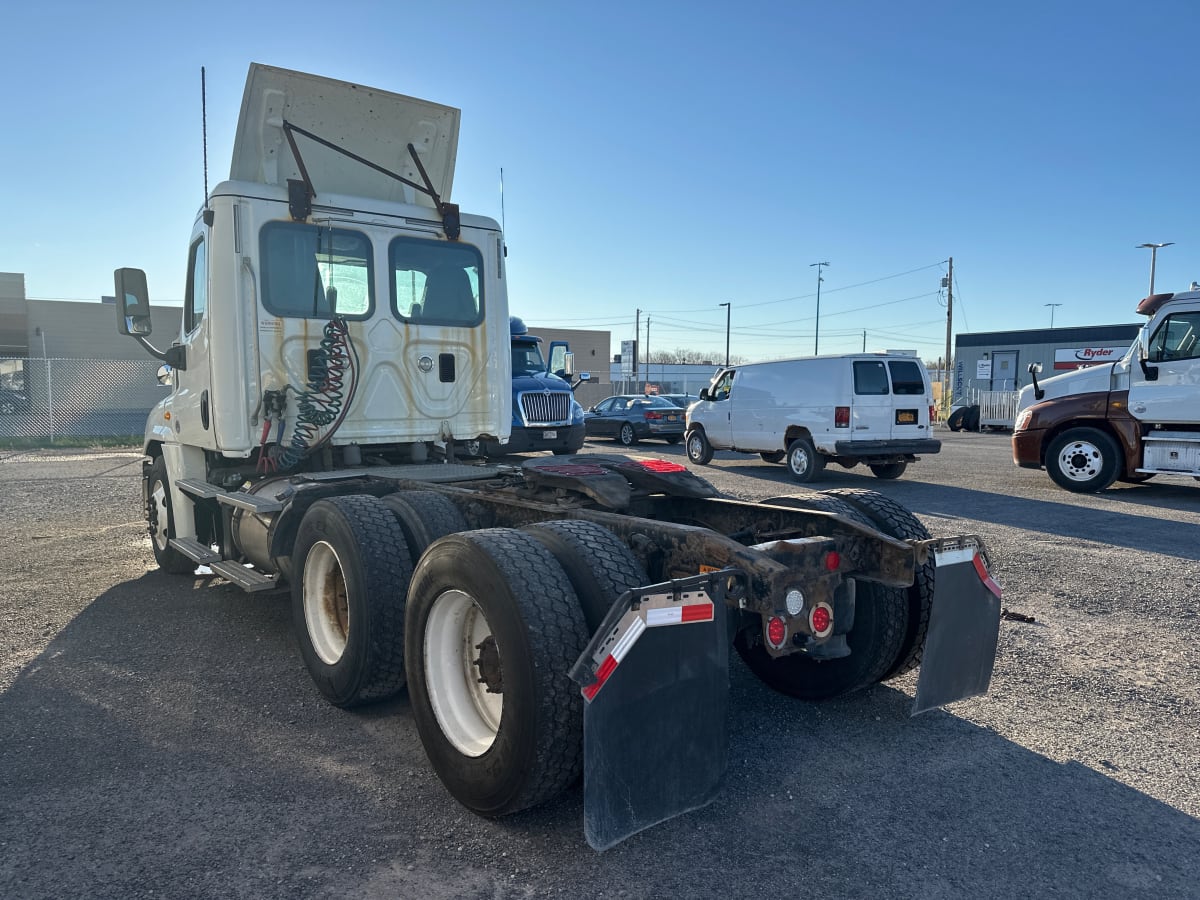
(553, 408)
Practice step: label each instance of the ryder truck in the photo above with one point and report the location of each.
(345, 329)
(1124, 421)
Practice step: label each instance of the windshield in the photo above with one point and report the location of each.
(527, 359)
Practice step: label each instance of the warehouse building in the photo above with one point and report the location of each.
(999, 360)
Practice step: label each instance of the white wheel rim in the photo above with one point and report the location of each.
(1080, 461)
(695, 448)
(158, 499)
(799, 461)
(469, 716)
(326, 605)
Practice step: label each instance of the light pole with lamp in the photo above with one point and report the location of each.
(817, 328)
(1153, 248)
(727, 311)
(1052, 306)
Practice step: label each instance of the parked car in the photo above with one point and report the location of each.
(13, 402)
(683, 401)
(630, 418)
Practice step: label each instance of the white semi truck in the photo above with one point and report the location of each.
(1123, 421)
(345, 328)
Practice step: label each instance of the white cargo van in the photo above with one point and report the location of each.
(871, 408)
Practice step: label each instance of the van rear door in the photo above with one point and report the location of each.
(871, 413)
(910, 399)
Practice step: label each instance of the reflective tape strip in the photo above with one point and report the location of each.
(636, 627)
(985, 576)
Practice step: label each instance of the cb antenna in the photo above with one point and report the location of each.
(208, 214)
(502, 228)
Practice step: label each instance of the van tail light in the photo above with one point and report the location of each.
(841, 417)
(932, 415)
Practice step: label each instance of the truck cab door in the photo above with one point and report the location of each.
(191, 405)
(871, 406)
(1173, 349)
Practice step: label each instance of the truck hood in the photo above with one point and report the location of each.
(1092, 380)
(373, 124)
(539, 381)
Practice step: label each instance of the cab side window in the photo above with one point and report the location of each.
(1176, 338)
(196, 304)
(723, 387)
(871, 377)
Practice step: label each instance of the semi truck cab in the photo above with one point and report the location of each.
(1129, 420)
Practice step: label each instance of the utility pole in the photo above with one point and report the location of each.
(864, 341)
(727, 309)
(647, 347)
(637, 341)
(948, 284)
(1054, 306)
(817, 329)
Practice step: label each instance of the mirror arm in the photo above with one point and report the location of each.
(175, 357)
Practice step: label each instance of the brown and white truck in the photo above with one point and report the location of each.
(1124, 421)
(345, 331)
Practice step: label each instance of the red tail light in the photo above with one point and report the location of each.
(841, 417)
(932, 415)
(776, 632)
(652, 416)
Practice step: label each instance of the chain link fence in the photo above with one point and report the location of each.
(68, 398)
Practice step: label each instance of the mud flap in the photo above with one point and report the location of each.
(655, 681)
(964, 627)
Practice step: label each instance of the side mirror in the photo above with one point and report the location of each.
(1038, 392)
(704, 394)
(166, 375)
(133, 302)
(569, 363)
(1151, 372)
(585, 376)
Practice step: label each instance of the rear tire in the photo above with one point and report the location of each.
(350, 573)
(160, 519)
(699, 450)
(599, 565)
(893, 519)
(888, 471)
(775, 456)
(803, 461)
(880, 621)
(499, 593)
(1083, 460)
(424, 516)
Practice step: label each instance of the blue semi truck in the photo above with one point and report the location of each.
(545, 414)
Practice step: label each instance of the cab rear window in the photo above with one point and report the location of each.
(314, 272)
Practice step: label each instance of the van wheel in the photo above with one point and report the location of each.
(803, 461)
(1083, 460)
(889, 470)
(161, 521)
(492, 628)
(350, 574)
(775, 456)
(627, 436)
(699, 450)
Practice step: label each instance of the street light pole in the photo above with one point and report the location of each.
(1153, 248)
(817, 328)
(1052, 306)
(727, 309)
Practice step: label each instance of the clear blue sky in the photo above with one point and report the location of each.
(665, 156)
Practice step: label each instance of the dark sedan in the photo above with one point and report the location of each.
(13, 402)
(631, 418)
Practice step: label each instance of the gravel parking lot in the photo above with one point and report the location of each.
(159, 735)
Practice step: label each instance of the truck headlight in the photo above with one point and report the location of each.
(1023, 420)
